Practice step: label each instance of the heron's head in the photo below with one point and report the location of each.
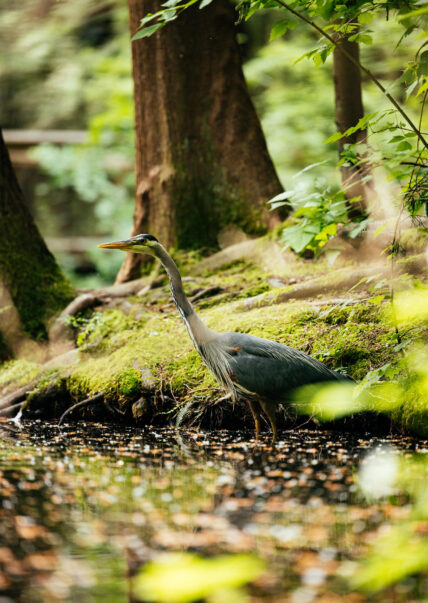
(142, 243)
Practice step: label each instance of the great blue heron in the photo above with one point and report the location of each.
(262, 372)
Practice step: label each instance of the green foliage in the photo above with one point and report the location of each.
(101, 170)
(317, 213)
(184, 577)
(288, 96)
(404, 155)
(403, 551)
(69, 66)
(170, 11)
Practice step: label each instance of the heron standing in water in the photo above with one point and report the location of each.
(260, 371)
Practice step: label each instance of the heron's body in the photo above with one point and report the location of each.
(261, 371)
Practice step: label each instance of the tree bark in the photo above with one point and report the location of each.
(28, 271)
(349, 110)
(201, 156)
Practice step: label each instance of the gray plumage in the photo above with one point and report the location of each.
(261, 371)
(267, 368)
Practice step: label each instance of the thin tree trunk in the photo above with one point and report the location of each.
(201, 157)
(349, 110)
(28, 271)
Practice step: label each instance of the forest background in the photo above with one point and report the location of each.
(69, 67)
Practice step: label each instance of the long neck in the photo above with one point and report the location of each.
(184, 306)
(198, 331)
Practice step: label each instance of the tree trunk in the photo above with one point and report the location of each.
(201, 156)
(28, 271)
(349, 110)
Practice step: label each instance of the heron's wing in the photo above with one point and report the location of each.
(271, 369)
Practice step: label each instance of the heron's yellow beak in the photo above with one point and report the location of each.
(124, 245)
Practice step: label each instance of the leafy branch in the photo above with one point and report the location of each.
(340, 48)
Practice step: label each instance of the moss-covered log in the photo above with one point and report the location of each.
(28, 270)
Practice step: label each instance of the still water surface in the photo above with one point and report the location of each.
(83, 507)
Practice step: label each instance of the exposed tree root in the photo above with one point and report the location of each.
(89, 401)
(7, 412)
(16, 396)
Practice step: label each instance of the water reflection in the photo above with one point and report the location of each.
(83, 508)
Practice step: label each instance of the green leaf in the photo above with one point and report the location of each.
(330, 229)
(423, 88)
(379, 230)
(334, 137)
(326, 9)
(149, 17)
(423, 63)
(184, 577)
(318, 59)
(404, 146)
(171, 3)
(359, 228)
(365, 39)
(397, 138)
(296, 238)
(365, 18)
(281, 197)
(204, 3)
(414, 13)
(146, 32)
(280, 28)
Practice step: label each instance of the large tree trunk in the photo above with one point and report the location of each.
(201, 157)
(29, 275)
(349, 110)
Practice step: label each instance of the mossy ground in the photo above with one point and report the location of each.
(117, 348)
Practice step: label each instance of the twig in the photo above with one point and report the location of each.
(340, 48)
(422, 112)
(422, 165)
(92, 400)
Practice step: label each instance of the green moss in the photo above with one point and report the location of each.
(129, 382)
(38, 289)
(106, 330)
(18, 372)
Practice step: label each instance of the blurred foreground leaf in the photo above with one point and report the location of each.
(327, 402)
(183, 577)
(403, 552)
(411, 305)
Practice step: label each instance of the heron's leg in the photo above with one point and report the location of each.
(269, 408)
(255, 410)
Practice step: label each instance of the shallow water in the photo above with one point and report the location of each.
(84, 507)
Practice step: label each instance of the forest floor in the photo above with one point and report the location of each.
(128, 345)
